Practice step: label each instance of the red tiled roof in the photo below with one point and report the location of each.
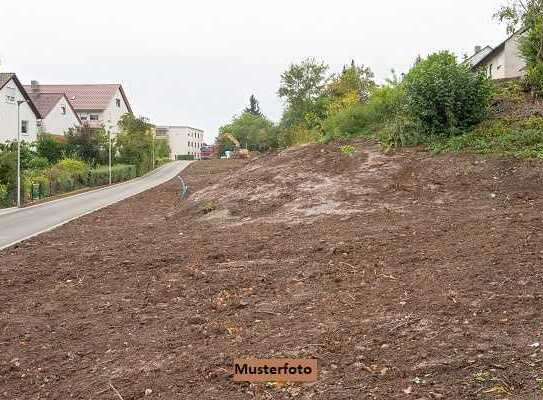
(45, 102)
(85, 97)
(5, 77)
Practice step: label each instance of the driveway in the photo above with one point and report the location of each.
(20, 224)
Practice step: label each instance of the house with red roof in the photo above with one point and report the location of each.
(96, 105)
(58, 114)
(18, 114)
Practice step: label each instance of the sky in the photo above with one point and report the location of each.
(196, 63)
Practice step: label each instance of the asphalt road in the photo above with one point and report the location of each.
(20, 224)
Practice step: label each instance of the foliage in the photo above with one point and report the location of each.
(347, 149)
(528, 16)
(88, 144)
(353, 86)
(254, 107)
(302, 89)
(50, 147)
(445, 97)
(365, 119)
(162, 149)
(135, 142)
(518, 138)
(184, 157)
(120, 172)
(38, 163)
(254, 132)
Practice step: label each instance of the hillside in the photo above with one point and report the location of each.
(407, 275)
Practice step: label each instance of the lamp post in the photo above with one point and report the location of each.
(19, 102)
(109, 137)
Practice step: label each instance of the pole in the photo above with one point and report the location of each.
(109, 135)
(153, 149)
(18, 155)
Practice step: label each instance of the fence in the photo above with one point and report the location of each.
(48, 185)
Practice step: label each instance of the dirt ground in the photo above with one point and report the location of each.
(406, 275)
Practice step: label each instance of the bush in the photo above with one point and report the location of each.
(184, 157)
(4, 198)
(77, 170)
(364, 119)
(50, 148)
(38, 163)
(446, 97)
(119, 172)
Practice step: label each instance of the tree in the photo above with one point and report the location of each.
(353, 86)
(254, 132)
(528, 16)
(254, 106)
(303, 90)
(50, 147)
(135, 142)
(445, 97)
(88, 144)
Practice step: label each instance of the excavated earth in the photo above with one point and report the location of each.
(407, 275)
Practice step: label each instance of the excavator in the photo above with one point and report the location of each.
(239, 153)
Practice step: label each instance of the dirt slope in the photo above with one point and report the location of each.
(407, 275)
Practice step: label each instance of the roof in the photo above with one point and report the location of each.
(45, 102)
(178, 126)
(477, 57)
(86, 97)
(498, 48)
(5, 77)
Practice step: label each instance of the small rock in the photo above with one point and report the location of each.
(148, 392)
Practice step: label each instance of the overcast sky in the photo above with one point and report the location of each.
(197, 62)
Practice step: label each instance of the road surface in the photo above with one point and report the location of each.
(24, 223)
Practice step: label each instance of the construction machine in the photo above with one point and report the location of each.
(239, 152)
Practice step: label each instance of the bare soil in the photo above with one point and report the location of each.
(407, 275)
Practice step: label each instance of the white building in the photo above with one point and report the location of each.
(96, 105)
(502, 62)
(12, 92)
(183, 140)
(58, 115)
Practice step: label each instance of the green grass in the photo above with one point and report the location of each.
(522, 138)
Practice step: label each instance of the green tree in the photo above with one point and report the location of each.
(135, 142)
(302, 89)
(353, 86)
(51, 148)
(88, 144)
(444, 96)
(254, 132)
(254, 106)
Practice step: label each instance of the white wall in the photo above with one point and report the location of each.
(8, 115)
(112, 115)
(514, 63)
(57, 123)
(109, 117)
(506, 63)
(184, 140)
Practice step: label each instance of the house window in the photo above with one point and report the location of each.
(63, 110)
(83, 117)
(10, 96)
(24, 126)
(94, 117)
(118, 102)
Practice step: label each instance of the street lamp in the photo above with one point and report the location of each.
(19, 152)
(109, 136)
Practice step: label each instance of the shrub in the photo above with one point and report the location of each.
(364, 119)
(119, 172)
(77, 170)
(38, 163)
(446, 97)
(4, 198)
(50, 148)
